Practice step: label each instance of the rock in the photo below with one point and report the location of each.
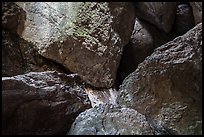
(20, 57)
(197, 11)
(12, 16)
(86, 38)
(102, 96)
(41, 103)
(12, 60)
(167, 86)
(110, 120)
(161, 14)
(144, 39)
(184, 19)
(140, 46)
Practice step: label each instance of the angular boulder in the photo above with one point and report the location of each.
(86, 38)
(161, 14)
(18, 55)
(41, 103)
(167, 86)
(110, 120)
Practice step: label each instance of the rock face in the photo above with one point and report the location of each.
(144, 39)
(110, 120)
(140, 46)
(167, 86)
(184, 19)
(197, 11)
(43, 103)
(87, 38)
(12, 16)
(18, 55)
(161, 14)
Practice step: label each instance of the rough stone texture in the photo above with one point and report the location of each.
(12, 61)
(18, 55)
(144, 39)
(167, 86)
(87, 38)
(197, 11)
(41, 103)
(184, 20)
(12, 16)
(110, 120)
(101, 96)
(161, 14)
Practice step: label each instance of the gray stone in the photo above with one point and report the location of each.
(110, 120)
(41, 103)
(144, 39)
(87, 38)
(161, 14)
(18, 55)
(167, 86)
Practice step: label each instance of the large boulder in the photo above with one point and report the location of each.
(167, 86)
(110, 120)
(18, 55)
(41, 103)
(197, 11)
(87, 38)
(161, 14)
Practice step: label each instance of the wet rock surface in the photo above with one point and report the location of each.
(110, 120)
(88, 41)
(167, 87)
(43, 103)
